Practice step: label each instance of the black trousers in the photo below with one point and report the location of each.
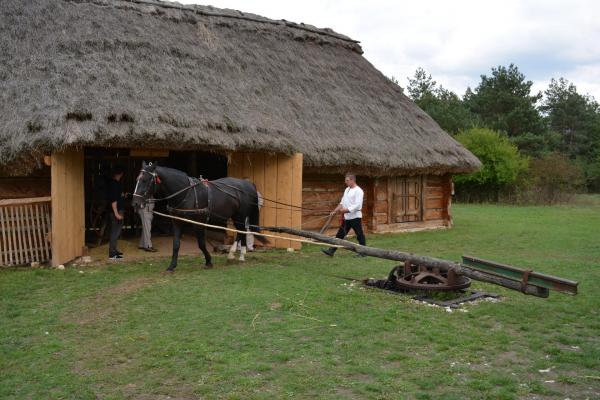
(354, 224)
(115, 230)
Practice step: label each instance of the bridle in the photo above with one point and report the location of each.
(155, 183)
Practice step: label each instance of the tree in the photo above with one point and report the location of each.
(421, 86)
(504, 102)
(502, 164)
(443, 105)
(574, 117)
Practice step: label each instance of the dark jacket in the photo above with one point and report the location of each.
(114, 193)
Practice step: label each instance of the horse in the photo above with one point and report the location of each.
(213, 202)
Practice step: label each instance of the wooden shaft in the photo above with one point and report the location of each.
(326, 225)
(395, 255)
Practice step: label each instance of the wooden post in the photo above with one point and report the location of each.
(297, 160)
(68, 209)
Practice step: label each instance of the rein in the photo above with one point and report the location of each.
(156, 180)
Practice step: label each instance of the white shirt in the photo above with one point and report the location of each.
(353, 200)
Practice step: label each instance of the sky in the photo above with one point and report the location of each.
(456, 41)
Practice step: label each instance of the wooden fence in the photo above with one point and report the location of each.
(25, 230)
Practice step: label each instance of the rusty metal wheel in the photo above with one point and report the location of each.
(420, 277)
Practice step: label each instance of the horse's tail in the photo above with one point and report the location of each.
(254, 221)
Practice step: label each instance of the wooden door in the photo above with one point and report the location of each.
(406, 194)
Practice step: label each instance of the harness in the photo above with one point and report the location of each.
(193, 183)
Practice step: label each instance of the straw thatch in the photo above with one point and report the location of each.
(147, 73)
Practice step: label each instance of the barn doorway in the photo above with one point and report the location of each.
(97, 171)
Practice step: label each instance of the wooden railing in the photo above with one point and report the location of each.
(25, 230)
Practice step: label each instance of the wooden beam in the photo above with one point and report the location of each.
(296, 195)
(68, 209)
(416, 259)
(29, 200)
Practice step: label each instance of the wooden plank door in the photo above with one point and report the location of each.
(406, 194)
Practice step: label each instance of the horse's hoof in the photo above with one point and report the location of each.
(208, 266)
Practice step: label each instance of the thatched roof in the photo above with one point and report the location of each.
(148, 73)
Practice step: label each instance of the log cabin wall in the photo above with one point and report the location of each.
(391, 204)
(277, 177)
(321, 193)
(36, 184)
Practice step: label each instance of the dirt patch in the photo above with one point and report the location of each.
(104, 303)
(345, 393)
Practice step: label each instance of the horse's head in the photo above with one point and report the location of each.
(145, 185)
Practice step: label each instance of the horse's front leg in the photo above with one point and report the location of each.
(176, 244)
(201, 238)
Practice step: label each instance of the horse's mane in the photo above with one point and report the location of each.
(177, 172)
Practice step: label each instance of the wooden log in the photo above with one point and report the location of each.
(395, 255)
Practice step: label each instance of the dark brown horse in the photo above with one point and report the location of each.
(212, 202)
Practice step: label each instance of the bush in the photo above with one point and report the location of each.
(502, 166)
(552, 179)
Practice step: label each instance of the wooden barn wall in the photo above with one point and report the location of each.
(277, 177)
(68, 211)
(321, 193)
(36, 184)
(438, 195)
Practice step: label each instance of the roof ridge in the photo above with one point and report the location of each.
(243, 16)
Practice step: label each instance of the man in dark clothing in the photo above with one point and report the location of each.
(350, 206)
(116, 206)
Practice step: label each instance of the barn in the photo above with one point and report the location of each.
(89, 83)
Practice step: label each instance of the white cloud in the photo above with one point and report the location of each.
(456, 41)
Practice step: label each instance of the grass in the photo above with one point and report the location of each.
(282, 326)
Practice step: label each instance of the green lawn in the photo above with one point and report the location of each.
(281, 326)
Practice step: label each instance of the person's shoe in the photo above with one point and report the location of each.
(150, 249)
(119, 253)
(327, 252)
(115, 257)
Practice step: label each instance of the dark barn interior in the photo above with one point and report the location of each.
(98, 165)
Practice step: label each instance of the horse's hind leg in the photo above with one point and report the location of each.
(176, 243)
(233, 248)
(201, 238)
(241, 227)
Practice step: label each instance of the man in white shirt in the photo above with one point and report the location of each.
(350, 206)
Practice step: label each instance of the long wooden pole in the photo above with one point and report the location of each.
(395, 255)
